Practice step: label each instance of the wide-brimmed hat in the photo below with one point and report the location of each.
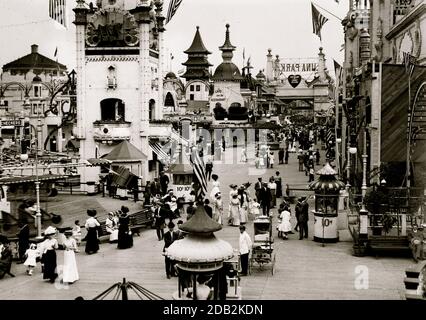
(91, 212)
(68, 233)
(233, 186)
(49, 231)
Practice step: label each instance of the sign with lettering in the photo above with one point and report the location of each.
(12, 122)
(305, 67)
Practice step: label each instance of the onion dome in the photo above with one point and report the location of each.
(327, 180)
(170, 75)
(227, 70)
(200, 250)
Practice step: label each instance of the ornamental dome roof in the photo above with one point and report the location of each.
(227, 71)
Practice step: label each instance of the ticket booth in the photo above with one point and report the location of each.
(327, 190)
(182, 178)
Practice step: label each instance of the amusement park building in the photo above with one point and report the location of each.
(376, 92)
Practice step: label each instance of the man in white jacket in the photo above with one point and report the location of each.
(245, 247)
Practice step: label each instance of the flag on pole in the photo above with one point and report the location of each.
(57, 11)
(409, 61)
(173, 6)
(200, 172)
(318, 21)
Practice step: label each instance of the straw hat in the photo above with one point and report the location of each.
(49, 231)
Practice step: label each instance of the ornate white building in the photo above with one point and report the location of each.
(120, 61)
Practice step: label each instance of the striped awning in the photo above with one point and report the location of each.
(98, 161)
(158, 150)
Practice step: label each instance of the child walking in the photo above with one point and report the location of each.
(76, 232)
(31, 254)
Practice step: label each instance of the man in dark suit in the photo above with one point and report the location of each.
(208, 209)
(265, 198)
(302, 216)
(164, 182)
(155, 187)
(257, 188)
(169, 237)
(159, 220)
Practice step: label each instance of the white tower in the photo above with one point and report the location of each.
(119, 78)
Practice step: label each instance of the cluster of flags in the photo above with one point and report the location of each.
(57, 11)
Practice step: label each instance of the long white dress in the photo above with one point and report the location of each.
(216, 189)
(285, 225)
(234, 211)
(244, 209)
(218, 210)
(70, 272)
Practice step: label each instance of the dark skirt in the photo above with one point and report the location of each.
(125, 238)
(92, 242)
(49, 265)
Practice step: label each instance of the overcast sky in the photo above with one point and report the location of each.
(285, 26)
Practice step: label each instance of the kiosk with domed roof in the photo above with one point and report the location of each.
(200, 259)
(327, 189)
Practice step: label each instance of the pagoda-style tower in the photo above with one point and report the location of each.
(197, 65)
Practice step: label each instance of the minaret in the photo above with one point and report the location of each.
(227, 48)
(321, 65)
(269, 67)
(197, 65)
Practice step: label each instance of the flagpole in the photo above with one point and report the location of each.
(327, 11)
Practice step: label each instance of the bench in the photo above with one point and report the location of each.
(415, 281)
(140, 219)
(388, 244)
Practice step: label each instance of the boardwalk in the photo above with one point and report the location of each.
(304, 269)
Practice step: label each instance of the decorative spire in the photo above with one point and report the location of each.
(200, 223)
(227, 47)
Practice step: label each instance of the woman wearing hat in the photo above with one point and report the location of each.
(234, 211)
(216, 186)
(218, 208)
(111, 224)
(125, 238)
(92, 225)
(70, 273)
(48, 258)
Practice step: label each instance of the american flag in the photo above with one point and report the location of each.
(409, 62)
(318, 21)
(173, 6)
(200, 172)
(57, 11)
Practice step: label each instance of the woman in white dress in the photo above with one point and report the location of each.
(218, 208)
(216, 186)
(70, 272)
(111, 224)
(244, 204)
(234, 211)
(285, 225)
